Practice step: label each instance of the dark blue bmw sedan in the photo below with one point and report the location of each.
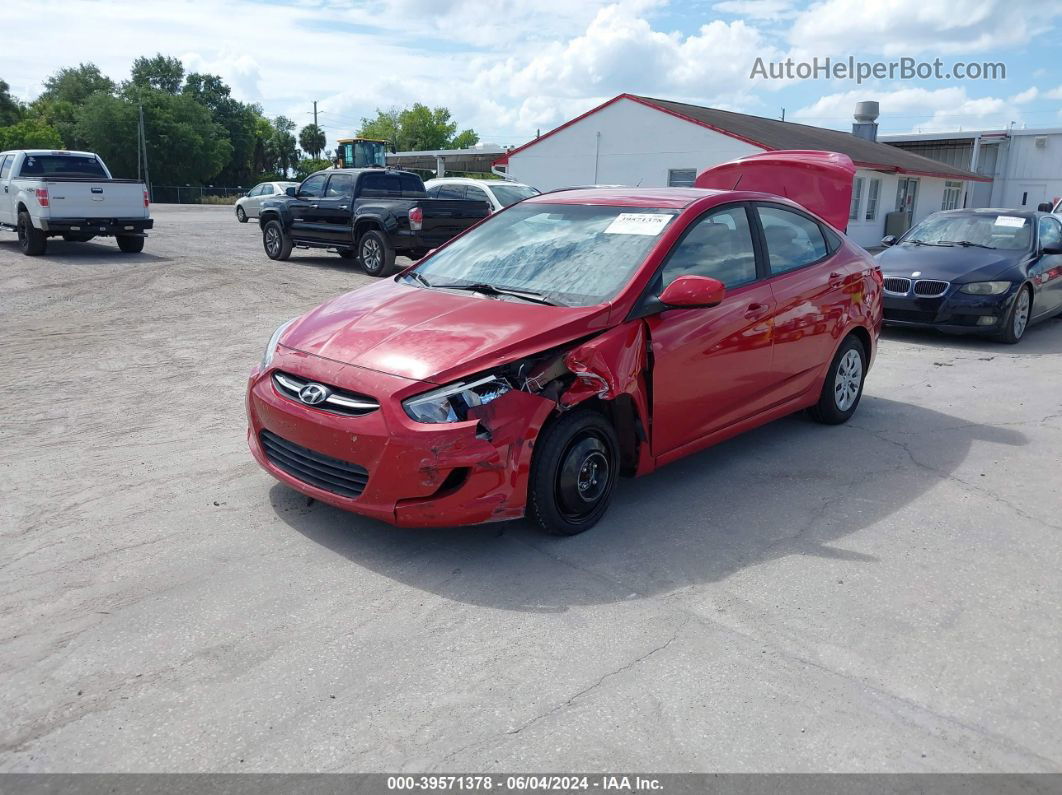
(986, 271)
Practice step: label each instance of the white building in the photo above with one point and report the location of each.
(1024, 167)
(640, 141)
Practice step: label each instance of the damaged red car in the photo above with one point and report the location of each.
(573, 339)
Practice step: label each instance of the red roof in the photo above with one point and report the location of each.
(773, 135)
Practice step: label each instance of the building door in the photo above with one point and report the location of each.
(906, 195)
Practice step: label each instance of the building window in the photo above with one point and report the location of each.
(681, 177)
(857, 197)
(872, 198)
(952, 196)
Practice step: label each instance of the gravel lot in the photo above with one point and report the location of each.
(880, 596)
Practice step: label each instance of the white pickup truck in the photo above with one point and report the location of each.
(45, 193)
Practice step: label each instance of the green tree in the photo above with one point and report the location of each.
(162, 72)
(466, 139)
(184, 144)
(417, 128)
(312, 139)
(282, 150)
(383, 128)
(75, 84)
(241, 123)
(308, 165)
(30, 134)
(10, 108)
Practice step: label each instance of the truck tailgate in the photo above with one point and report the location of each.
(448, 217)
(95, 199)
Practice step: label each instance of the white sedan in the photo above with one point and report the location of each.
(248, 205)
(499, 194)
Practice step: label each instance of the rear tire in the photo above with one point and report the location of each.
(241, 215)
(843, 387)
(130, 244)
(573, 473)
(376, 254)
(31, 240)
(1016, 321)
(277, 244)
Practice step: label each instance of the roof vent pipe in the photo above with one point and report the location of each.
(866, 121)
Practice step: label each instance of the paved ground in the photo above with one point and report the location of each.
(884, 595)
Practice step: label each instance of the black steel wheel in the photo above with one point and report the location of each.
(573, 473)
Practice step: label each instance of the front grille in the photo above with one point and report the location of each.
(910, 315)
(894, 284)
(337, 401)
(928, 288)
(331, 474)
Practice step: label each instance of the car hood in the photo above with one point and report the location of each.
(948, 263)
(434, 335)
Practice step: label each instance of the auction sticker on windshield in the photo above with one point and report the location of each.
(638, 224)
(1008, 220)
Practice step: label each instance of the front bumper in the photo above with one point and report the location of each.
(97, 226)
(954, 312)
(419, 475)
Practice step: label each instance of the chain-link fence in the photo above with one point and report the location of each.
(196, 194)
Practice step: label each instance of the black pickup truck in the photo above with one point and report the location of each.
(372, 214)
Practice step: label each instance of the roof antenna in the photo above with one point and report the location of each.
(738, 182)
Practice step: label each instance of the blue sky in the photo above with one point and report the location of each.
(510, 68)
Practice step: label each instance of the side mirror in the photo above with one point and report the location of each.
(289, 191)
(689, 292)
(888, 240)
(1052, 250)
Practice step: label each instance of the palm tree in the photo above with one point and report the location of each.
(312, 139)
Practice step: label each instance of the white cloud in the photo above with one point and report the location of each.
(907, 27)
(757, 9)
(916, 109)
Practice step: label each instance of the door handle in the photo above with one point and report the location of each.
(753, 311)
(314, 206)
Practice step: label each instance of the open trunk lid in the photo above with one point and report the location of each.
(819, 181)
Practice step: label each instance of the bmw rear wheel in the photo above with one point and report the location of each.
(573, 473)
(843, 386)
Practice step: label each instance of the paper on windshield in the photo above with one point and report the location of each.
(1010, 220)
(638, 224)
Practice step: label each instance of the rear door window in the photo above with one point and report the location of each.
(451, 192)
(340, 185)
(380, 184)
(5, 166)
(793, 240)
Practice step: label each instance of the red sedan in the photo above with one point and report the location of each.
(570, 339)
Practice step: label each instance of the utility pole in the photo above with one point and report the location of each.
(783, 114)
(316, 126)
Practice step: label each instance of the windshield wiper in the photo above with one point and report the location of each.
(419, 278)
(490, 289)
(967, 243)
(927, 243)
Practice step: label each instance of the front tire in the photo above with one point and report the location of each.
(573, 473)
(1016, 321)
(277, 244)
(376, 254)
(31, 240)
(843, 387)
(241, 216)
(130, 244)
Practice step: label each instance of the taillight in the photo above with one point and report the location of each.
(42, 196)
(147, 201)
(416, 218)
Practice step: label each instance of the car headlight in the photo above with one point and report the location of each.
(452, 402)
(271, 348)
(985, 288)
